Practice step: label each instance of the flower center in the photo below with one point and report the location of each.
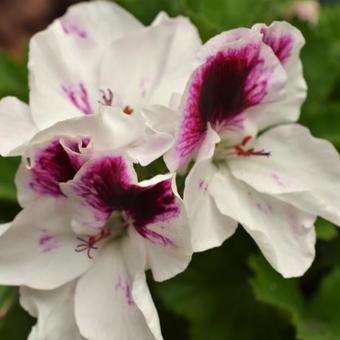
(225, 150)
(115, 228)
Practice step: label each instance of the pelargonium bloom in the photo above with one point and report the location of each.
(99, 55)
(273, 182)
(99, 237)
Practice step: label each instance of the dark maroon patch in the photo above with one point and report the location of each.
(221, 90)
(108, 187)
(53, 165)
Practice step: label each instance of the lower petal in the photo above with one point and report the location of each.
(209, 228)
(43, 243)
(302, 170)
(54, 310)
(104, 302)
(284, 233)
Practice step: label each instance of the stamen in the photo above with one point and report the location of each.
(91, 242)
(107, 97)
(241, 151)
(128, 110)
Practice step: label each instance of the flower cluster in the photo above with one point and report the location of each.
(106, 94)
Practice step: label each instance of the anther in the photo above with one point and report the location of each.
(107, 97)
(128, 110)
(241, 151)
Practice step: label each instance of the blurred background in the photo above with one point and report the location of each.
(229, 293)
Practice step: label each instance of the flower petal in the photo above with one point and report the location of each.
(154, 62)
(302, 170)
(237, 76)
(209, 228)
(54, 310)
(16, 126)
(112, 129)
(63, 83)
(99, 189)
(43, 243)
(167, 237)
(284, 234)
(105, 308)
(286, 42)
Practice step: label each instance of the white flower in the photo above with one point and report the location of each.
(101, 230)
(99, 55)
(274, 183)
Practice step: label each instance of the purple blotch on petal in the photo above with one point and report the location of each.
(72, 28)
(107, 187)
(52, 166)
(48, 242)
(230, 82)
(79, 97)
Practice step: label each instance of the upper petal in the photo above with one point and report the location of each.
(237, 76)
(286, 41)
(284, 233)
(16, 126)
(63, 83)
(54, 310)
(150, 64)
(302, 170)
(164, 227)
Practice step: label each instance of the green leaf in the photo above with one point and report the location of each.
(8, 168)
(214, 295)
(146, 11)
(325, 230)
(13, 78)
(15, 323)
(314, 319)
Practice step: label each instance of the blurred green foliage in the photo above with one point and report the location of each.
(231, 292)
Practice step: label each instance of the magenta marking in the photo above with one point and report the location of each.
(278, 180)
(126, 289)
(106, 187)
(264, 208)
(48, 242)
(72, 28)
(282, 45)
(230, 82)
(203, 185)
(53, 164)
(78, 96)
